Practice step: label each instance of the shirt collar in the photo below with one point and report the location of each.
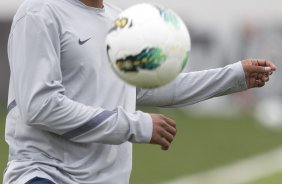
(81, 4)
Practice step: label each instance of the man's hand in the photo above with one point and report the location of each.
(164, 131)
(257, 71)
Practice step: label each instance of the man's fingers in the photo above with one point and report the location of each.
(269, 73)
(263, 62)
(259, 66)
(260, 62)
(169, 125)
(265, 79)
(171, 130)
(169, 137)
(164, 144)
(170, 121)
(272, 66)
(164, 130)
(259, 69)
(165, 148)
(259, 83)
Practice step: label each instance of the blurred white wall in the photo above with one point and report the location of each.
(216, 13)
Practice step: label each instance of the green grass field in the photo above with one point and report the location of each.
(202, 143)
(3, 146)
(276, 178)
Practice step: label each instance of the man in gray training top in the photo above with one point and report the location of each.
(70, 119)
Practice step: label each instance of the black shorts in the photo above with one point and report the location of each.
(38, 180)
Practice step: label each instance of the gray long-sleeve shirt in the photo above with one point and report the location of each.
(70, 118)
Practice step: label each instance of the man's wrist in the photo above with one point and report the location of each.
(239, 69)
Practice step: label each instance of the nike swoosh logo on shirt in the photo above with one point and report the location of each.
(83, 42)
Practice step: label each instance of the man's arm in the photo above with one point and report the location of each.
(194, 87)
(34, 54)
(36, 79)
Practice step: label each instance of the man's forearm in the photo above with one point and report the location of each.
(194, 87)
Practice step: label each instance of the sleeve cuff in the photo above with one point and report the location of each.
(148, 127)
(143, 129)
(241, 82)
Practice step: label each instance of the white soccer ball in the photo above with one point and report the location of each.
(148, 45)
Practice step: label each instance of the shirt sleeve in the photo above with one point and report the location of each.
(34, 55)
(194, 87)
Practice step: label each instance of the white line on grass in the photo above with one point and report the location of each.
(238, 173)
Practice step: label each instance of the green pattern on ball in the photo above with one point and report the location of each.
(147, 59)
(185, 60)
(169, 16)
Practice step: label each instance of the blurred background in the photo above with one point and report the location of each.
(234, 139)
